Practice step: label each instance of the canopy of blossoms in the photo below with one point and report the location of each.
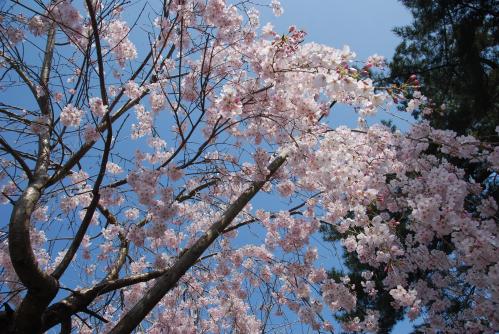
(135, 137)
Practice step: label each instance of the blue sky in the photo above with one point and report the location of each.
(365, 25)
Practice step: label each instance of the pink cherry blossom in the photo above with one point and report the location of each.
(71, 116)
(97, 106)
(113, 168)
(190, 198)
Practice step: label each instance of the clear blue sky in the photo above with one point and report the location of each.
(365, 25)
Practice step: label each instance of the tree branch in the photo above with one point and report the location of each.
(79, 301)
(18, 158)
(123, 253)
(171, 277)
(42, 288)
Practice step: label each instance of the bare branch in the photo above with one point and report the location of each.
(17, 157)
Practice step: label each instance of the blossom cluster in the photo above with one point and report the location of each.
(211, 108)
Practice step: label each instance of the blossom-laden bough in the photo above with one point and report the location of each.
(129, 173)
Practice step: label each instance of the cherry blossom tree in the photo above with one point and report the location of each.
(136, 136)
